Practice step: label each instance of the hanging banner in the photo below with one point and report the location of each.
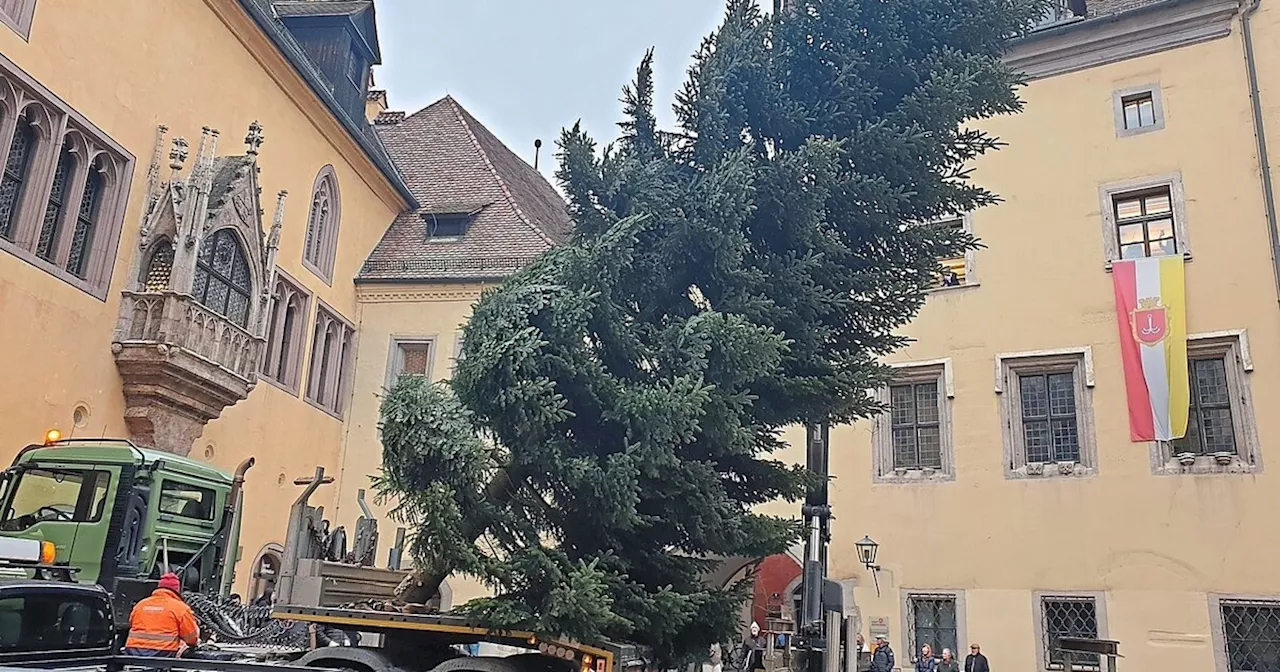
(1151, 311)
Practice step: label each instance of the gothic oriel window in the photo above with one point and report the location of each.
(17, 169)
(159, 267)
(222, 282)
(86, 222)
(322, 225)
(47, 243)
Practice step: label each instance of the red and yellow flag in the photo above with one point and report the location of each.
(1151, 309)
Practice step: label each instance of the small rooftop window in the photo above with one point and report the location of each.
(452, 226)
(450, 223)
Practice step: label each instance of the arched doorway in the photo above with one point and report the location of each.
(266, 572)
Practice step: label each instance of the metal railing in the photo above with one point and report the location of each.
(178, 320)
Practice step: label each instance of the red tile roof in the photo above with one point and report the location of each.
(453, 164)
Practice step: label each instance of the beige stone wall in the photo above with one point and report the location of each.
(1154, 546)
(387, 312)
(129, 65)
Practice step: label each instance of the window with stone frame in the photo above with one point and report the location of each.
(63, 185)
(1138, 110)
(1250, 633)
(931, 619)
(323, 217)
(1068, 616)
(410, 356)
(1144, 218)
(286, 332)
(17, 14)
(957, 271)
(1221, 429)
(223, 282)
(1046, 412)
(912, 437)
(332, 350)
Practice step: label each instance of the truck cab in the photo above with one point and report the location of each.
(123, 515)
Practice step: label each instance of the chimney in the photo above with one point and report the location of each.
(375, 103)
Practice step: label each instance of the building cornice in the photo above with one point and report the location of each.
(235, 17)
(1108, 39)
(421, 293)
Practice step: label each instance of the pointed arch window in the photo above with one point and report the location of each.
(86, 222)
(17, 169)
(332, 341)
(47, 243)
(63, 183)
(322, 225)
(222, 282)
(286, 332)
(159, 267)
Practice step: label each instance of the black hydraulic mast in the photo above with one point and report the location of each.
(817, 517)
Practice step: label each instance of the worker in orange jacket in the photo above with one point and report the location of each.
(162, 623)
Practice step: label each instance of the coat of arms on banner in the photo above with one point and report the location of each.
(1150, 322)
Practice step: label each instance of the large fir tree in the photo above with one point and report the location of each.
(610, 424)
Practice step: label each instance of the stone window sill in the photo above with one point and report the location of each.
(906, 476)
(953, 288)
(1206, 465)
(1044, 471)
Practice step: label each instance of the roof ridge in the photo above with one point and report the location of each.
(502, 183)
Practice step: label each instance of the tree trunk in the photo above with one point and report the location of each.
(422, 584)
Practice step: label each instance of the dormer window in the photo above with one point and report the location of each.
(446, 227)
(450, 224)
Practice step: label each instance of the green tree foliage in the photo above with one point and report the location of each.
(611, 423)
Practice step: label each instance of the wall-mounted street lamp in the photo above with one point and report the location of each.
(867, 549)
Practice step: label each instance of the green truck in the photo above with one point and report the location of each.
(122, 515)
(103, 511)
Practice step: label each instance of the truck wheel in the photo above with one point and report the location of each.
(350, 659)
(478, 664)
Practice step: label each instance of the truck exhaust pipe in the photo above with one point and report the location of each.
(237, 482)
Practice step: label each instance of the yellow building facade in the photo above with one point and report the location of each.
(482, 213)
(1009, 504)
(158, 283)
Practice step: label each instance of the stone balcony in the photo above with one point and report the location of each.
(182, 364)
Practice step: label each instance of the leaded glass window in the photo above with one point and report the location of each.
(222, 282)
(86, 223)
(159, 267)
(1210, 428)
(16, 171)
(1049, 424)
(917, 438)
(47, 243)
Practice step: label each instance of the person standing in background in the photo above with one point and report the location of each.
(948, 662)
(975, 661)
(926, 662)
(882, 659)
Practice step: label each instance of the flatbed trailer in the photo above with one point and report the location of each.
(428, 642)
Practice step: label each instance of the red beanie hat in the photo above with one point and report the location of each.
(169, 581)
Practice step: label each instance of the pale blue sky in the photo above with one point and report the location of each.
(527, 68)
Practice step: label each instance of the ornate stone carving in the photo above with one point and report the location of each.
(183, 362)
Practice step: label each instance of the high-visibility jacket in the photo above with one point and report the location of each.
(162, 622)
